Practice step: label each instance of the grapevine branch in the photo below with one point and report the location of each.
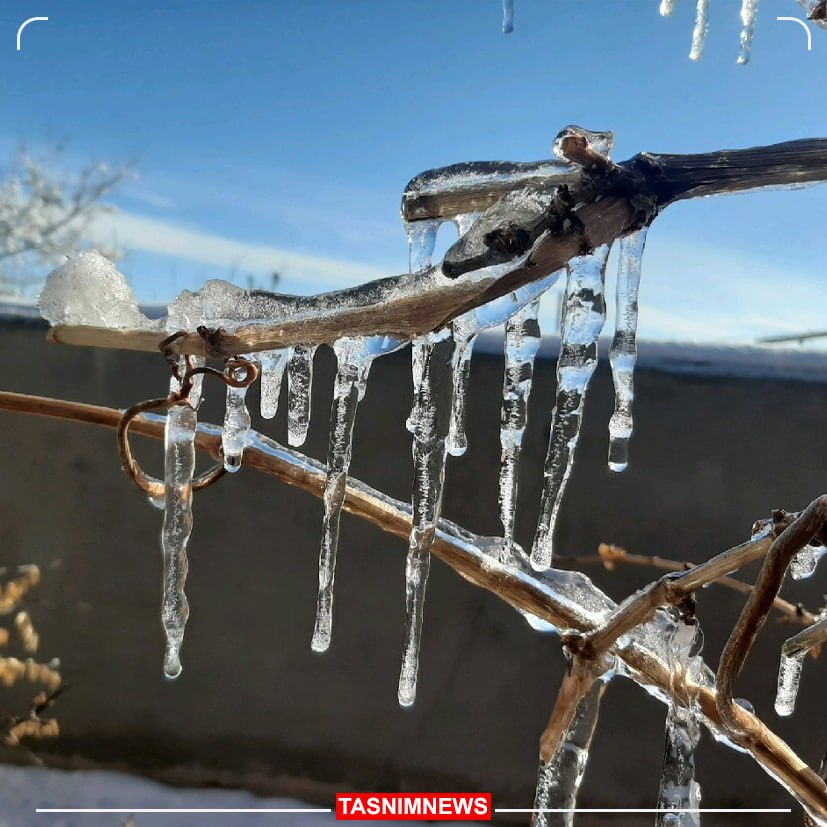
(581, 206)
(539, 594)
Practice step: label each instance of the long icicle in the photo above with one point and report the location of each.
(679, 792)
(434, 384)
(508, 16)
(749, 13)
(558, 781)
(522, 341)
(299, 387)
(457, 440)
(179, 468)
(584, 313)
(700, 31)
(623, 352)
(354, 362)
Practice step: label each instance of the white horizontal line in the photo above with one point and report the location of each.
(645, 810)
(133, 810)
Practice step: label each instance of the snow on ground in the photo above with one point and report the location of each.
(24, 789)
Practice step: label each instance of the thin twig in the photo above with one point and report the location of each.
(536, 594)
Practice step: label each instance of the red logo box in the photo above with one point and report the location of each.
(413, 806)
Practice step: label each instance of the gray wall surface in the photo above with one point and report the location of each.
(255, 707)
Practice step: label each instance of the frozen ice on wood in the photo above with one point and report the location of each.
(433, 392)
(354, 357)
(273, 363)
(679, 791)
(584, 313)
(599, 142)
(816, 11)
(558, 780)
(299, 387)
(89, 290)
(623, 352)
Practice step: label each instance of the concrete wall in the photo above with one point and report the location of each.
(255, 707)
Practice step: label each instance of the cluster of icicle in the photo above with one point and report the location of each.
(440, 369)
(749, 13)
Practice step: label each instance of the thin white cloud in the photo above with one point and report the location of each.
(150, 235)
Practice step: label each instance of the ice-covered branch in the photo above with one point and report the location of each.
(566, 600)
(537, 217)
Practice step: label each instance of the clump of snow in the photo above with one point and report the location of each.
(89, 290)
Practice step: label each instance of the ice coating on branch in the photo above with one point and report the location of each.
(749, 12)
(433, 391)
(816, 12)
(789, 678)
(299, 386)
(584, 313)
(803, 564)
(700, 31)
(354, 357)
(623, 352)
(599, 142)
(457, 441)
(508, 16)
(679, 791)
(236, 430)
(421, 241)
(522, 341)
(179, 468)
(667, 7)
(273, 363)
(89, 290)
(558, 781)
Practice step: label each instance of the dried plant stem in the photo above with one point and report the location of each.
(458, 549)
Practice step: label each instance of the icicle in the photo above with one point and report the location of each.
(354, 362)
(299, 385)
(457, 441)
(236, 430)
(432, 402)
(749, 12)
(623, 352)
(179, 468)
(700, 30)
(273, 363)
(508, 16)
(522, 341)
(584, 313)
(558, 781)
(678, 789)
(667, 7)
(421, 242)
(789, 678)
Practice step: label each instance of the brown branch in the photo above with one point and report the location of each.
(609, 555)
(460, 550)
(577, 211)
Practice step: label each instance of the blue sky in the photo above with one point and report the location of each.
(279, 135)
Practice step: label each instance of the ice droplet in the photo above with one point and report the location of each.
(623, 352)
(522, 341)
(789, 678)
(236, 429)
(433, 391)
(584, 313)
(803, 564)
(273, 363)
(299, 386)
